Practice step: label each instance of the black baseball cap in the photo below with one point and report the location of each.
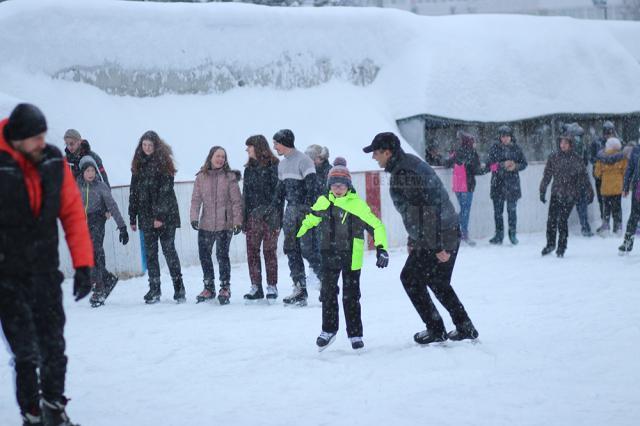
(386, 140)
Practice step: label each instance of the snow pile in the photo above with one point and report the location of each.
(205, 74)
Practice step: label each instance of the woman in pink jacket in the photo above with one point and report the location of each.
(216, 213)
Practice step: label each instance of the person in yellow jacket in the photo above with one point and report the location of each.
(612, 177)
(342, 217)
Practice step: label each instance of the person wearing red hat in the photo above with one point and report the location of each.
(36, 189)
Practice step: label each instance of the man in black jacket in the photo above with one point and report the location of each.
(434, 238)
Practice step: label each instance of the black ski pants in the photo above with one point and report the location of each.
(33, 323)
(298, 249)
(558, 222)
(99, 273)
(634, 217)
(423, 270)
(222, 240)
(329, 291)
(612, 207)
(498, 211)
(166, 236)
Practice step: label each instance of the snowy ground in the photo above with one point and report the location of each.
(559, 341)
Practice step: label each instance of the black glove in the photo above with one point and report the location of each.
(237, 229)
(543, 197)
(194, 225)
(82, 282)
(382, 256)
(124, 236)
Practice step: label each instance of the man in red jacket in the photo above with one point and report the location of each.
(36, 189)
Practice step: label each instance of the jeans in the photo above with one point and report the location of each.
(222, 240)
(464, 199)
(498, 209)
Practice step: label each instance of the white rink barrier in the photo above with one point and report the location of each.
(127, 260)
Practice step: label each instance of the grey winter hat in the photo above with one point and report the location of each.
(72, 134)
(317, 151)
(285, 137)
(86, 162)
(505, 130)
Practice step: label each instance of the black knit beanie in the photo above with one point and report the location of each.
(285, 137)
(25, 121)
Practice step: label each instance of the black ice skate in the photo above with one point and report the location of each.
(153, 295)
(547, 250)
(32, 417)
(54, 414)
(299, 295)
(225, 293)
(109, 285)
(97, 298)
(356, 343)
(178, 291)
(626, 246)
(467, 331)
(512, 238)
(324, 340)
(425, 337)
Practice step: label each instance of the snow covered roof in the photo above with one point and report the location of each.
(204, 74)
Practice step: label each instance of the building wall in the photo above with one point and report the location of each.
(574, 8)
(126, 260)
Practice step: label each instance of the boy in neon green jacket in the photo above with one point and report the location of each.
(342, 217)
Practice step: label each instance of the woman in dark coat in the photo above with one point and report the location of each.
(466, 165)
(570, 181)
(505, 161)
(261, 222)
(153, 208)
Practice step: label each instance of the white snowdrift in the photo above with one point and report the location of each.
(204, 74)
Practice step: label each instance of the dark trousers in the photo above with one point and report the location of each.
(350, 298)
(222, 240)
(298, 249)
(634, 217)
(99, 274)
(423, 269)
(33, 323)
(498, 209)
(582, 208)
(612, 205)
(598, 183)
(558, 222)
(260, 234)
(166, 236)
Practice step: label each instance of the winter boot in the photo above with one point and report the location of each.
(32, 417)
(497, 239)
(356, 342)
(208, 293)
(324, 340)
(299, 294)
(225, 293)
(548, 249)
(255, 293)
(54, 414)
(178, 290)
(425, 337)
(586, 232)
(466, 331)
(560, 252)
(627, 245)
(154, 293)
(512, 237)
(272, 292)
